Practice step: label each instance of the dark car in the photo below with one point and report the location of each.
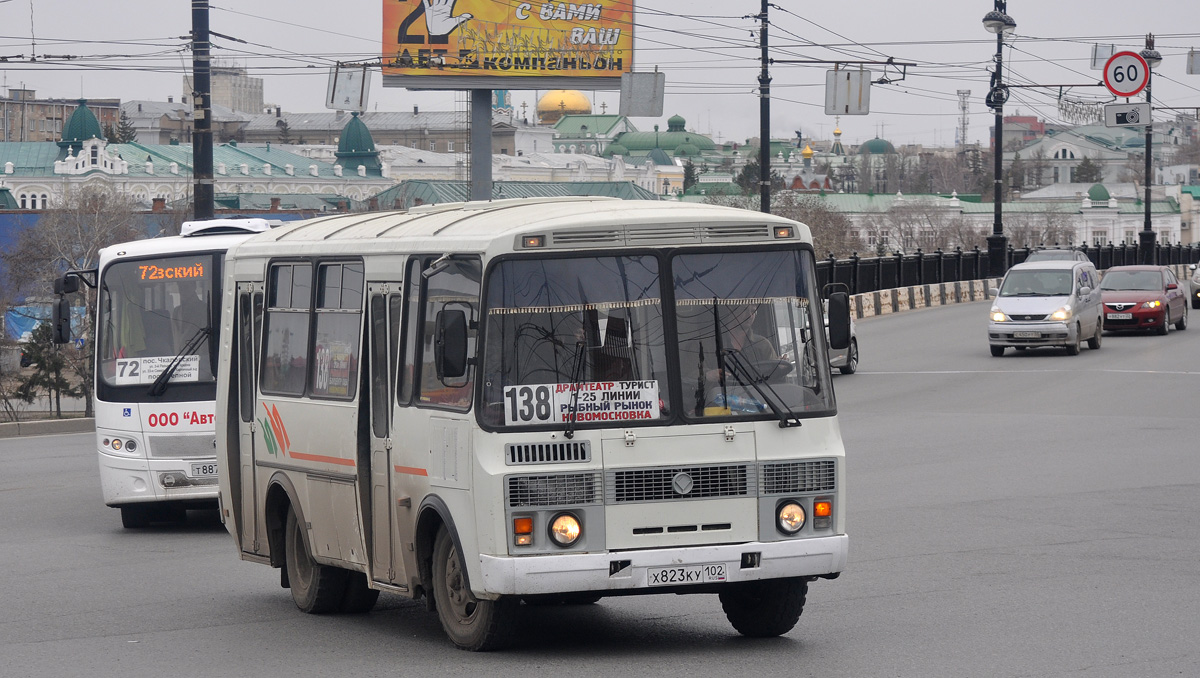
(1143, 298)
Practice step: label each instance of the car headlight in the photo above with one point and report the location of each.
(1063, 313)
(791, 517)
(1152, 304)
(998, 316)
(565, 529)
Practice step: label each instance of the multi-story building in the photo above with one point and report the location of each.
(231, 88)
(24, 117)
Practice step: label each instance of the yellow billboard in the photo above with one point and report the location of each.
(498, 44)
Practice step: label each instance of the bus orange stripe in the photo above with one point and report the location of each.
(412, 471)
(320, 457)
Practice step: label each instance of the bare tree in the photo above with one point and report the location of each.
(831, 230)
(66, 237)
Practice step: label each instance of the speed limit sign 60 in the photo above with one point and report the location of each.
(1126, 74)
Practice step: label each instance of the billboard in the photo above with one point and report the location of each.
(505, 44)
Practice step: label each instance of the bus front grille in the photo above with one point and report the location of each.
(798, 476)
(560, 489)
(181, 447)
(678, 483)
(547, 453)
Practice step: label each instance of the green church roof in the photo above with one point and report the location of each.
(81, 126)
(1098, 193)
(877, 146)
(356, 146)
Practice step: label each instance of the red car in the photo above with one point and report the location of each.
(1143, 298)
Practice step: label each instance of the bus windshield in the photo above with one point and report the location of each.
(584, 338)
(153, 313)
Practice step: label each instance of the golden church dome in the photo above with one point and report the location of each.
(559, 102)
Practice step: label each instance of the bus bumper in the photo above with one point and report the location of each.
(133, 480)
(628, 570)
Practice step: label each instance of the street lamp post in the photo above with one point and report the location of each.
(1146, 237)
(999, 22)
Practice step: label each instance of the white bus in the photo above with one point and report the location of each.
(157, 304)
(561, 399)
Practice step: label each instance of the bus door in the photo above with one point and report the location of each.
(249, 317)
(386, 311)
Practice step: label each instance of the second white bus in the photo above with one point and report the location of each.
(533, 400)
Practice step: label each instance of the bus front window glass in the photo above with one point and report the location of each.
(591, 326)
(151, 311)
(751, 340)
(454, 288)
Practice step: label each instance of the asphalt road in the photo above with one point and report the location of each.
(1032, 515)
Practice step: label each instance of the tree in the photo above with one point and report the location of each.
(70, 236)
(285, 131)
(1088, 172)
(125, 132)
(1037, 169)
(831, 230)
(1016, 174)
(748, 178)
(48, 365)
(690, 175)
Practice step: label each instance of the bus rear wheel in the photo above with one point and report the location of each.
(316, 588)
(471, 624)
(763, 609)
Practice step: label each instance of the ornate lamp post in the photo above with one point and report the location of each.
(999, 22)
(1146, 237)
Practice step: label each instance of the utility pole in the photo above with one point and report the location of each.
(764, 118)
(1146, 239)
(999, 22)
(202, 140)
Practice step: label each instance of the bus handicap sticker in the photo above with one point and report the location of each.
(598, 401)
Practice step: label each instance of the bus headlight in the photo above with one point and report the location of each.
(565, 529)
(791, 517)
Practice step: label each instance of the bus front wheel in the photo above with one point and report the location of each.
(471, 624)
(763, 609)
(316, 588)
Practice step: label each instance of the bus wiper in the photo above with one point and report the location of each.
(749, 375)
(576, 377)
(160, 382)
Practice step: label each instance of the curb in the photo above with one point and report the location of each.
(903, 299)
(33, 428)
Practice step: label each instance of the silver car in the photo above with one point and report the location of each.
(1047, 303)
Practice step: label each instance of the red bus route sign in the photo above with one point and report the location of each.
(1126, 74)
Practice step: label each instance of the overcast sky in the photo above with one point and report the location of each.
(132, 49)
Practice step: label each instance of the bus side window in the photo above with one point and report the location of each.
(378, 367)
(410, 335)
(453, 288)
(395, 315)
(337, 342)
(285, 354)
(245, 359)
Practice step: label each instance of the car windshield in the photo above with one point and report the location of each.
(153, 311)
(747, 344)
(580, 335)
(1035, 283)
(588, 339)
(1147, 281)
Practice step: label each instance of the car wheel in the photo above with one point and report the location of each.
(1166, 323)
(135, 516)
(997, 351)
(471, 624)
(315, 588)
(1073, 349)
(1094, 342)
(764, 609)
(851, 365)
(1195, 301)
(1181, 324)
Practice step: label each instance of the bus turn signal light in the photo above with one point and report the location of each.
(523, 531)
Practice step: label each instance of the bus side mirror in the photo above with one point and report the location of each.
(67, 284)
(60, 318)
(450, 344)
(839, 320)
